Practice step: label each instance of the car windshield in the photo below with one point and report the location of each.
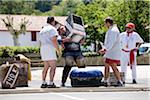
(143, 49)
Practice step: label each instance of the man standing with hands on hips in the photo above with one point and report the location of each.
(130, 42)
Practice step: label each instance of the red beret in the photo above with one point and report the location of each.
(130, 25)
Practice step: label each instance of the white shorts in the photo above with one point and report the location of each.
(48, 53)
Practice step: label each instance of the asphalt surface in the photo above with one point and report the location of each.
(79, 96)
(34, 86)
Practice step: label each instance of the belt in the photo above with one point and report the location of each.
(131, 56)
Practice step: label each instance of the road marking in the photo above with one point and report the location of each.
(67, 96)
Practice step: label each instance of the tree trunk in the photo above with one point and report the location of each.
(16, 40)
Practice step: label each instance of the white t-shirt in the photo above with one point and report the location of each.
(46, 34)
(112, 43)
(129, 42)
(47, 49)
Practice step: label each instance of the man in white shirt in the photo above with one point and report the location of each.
(130, 41)
(111, 50)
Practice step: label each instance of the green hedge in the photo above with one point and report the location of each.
(10, 51)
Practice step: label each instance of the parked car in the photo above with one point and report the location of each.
(144, 48)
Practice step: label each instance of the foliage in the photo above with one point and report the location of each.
(64, 8)
(16, 7)
(27, 7)
(131, 11)
(10, 51)
(122, 11)
(90, 54)
(93, 15)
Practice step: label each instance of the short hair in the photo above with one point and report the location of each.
(109, 20)
(50, 19)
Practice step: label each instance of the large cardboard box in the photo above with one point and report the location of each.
(75, 28)
(8, 75)
(22, 80)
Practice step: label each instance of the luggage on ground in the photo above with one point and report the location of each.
(84, 77)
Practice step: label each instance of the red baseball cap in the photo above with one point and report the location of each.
(130, 25)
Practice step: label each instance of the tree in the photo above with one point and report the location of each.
(17, 7)
(122, 11)
(133, 11)
(15, 33)
(64, 8)
(43, 6)
(93, 15)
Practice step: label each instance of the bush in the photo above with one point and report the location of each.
(10, 51)
(90, 54)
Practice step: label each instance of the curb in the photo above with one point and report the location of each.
(80, 89)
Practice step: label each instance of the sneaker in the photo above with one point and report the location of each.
(124, 82)
(52, 86)
(106, 84)
(44, 86)
(63, 85)
(134, 81)
(119, 84)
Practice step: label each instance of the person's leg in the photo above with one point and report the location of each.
(117, 73)
(134, 75)
(44, 74)
(69, 60)
(52, 63)
(124, 63)
(80, 62)
(106, 72)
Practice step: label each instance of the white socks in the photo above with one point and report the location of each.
(44, 82)
(106, 81)
(51, 83)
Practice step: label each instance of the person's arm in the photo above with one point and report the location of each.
(66, 39)
(139, 41)
(39, 42)
(82, 41)
(55, 42)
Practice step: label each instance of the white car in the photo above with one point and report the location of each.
(144, 48)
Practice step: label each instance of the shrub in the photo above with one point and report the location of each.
(10, 51)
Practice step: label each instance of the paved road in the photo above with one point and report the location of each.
(79, 96)
(34, 85)
(143, 75)
(129, 92)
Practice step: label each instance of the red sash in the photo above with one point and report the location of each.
(132, 58)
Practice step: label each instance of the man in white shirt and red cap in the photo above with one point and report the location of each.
(111, 50)
(130, 42)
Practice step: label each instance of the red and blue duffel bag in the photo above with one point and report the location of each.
(84, 77)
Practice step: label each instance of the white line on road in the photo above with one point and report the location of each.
(67, 96)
